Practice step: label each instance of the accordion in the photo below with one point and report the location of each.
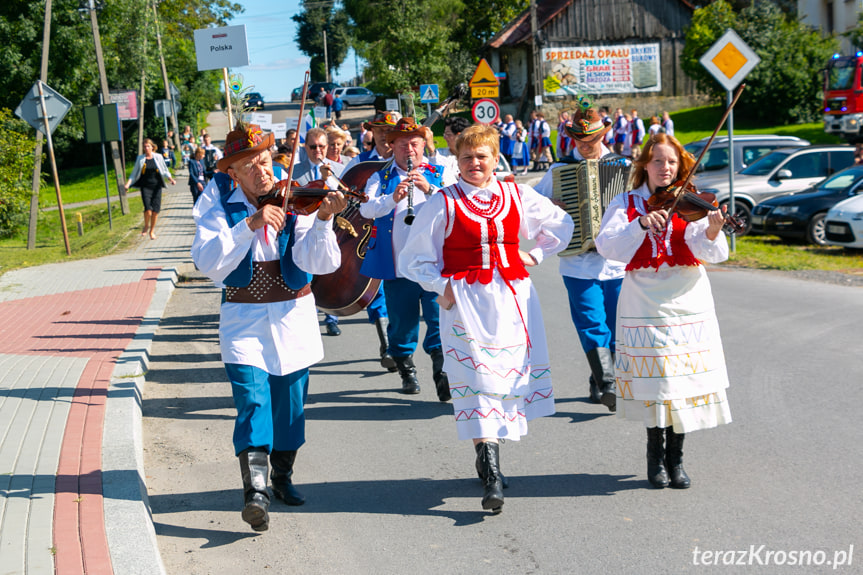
(587, 187)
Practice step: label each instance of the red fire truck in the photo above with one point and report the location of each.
(843, 97)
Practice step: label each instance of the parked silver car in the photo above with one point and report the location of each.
(781, 171)
(747, 149)
(355, 95)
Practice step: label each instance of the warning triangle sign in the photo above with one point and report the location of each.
(483, 76)
(430, 95)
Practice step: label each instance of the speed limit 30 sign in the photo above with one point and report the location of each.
(485, 111)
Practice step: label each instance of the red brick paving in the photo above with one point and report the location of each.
(99, 324)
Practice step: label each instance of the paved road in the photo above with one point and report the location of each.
(391, 490)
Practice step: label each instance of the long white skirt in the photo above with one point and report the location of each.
(670, 367)
(498, 382)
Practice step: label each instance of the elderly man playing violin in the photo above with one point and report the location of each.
(592, 281)
(671, 372)
(263, 258)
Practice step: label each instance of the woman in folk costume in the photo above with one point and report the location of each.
(670, 365)
(464, 245)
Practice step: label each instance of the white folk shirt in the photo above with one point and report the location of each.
(589, 265)
(280, 337)
(379, 205)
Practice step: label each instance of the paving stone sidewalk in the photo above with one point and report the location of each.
(74, 343)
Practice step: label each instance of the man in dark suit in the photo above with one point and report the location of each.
(316, 166)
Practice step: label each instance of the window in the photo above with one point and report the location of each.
(807, 165)
(840, 160)
(752, 153)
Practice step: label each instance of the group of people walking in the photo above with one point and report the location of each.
(445, 244)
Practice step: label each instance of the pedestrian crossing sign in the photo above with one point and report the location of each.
(429, 93)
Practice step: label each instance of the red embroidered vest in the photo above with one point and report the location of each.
(668, 247)
(482, 236)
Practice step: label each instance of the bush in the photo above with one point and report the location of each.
(784, 87)
(16, 172)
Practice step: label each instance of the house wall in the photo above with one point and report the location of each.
(815, 13)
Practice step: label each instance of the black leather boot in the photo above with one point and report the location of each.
(656, 472)
(488, 454)
(283, 469)
(441, 381)
(595, 396)
(601, 362)
(479, 465)
(408, 372)
(387, 361)
(253, 466)
(674, 459)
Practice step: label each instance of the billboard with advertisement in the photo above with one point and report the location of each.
(127, 103)
(625, 68)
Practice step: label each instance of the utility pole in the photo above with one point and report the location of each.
(143, 87)
(37, 164)
(326, 62)
(168, 94)
(106, 94)
(537, 64)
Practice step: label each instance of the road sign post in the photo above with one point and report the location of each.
(44, 108)
(729, 60)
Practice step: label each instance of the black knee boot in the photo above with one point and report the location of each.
(387, 360)
(656, 472)
(488, 454)
(283, 470)
(253, 466)
(408, 372)
(601, 362)
(674, 459)
(441, 381)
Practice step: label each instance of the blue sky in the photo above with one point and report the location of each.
(276, 64)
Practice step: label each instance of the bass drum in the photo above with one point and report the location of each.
(346, 291)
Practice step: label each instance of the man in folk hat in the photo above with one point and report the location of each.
(388, 204)
(268, 328)
(380, 126)
(592, 282)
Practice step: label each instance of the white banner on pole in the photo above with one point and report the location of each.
(221, 48)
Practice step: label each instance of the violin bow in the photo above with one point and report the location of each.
(706, 147)
(296, 144)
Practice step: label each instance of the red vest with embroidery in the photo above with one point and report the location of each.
(667, 247)
(483, 235)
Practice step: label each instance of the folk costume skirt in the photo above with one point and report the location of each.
(496, 358)
(669, 366)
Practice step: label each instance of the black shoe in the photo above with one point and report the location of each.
(601, 362)
(253, 467)
(333, 329)
(488, 455)
(674, 460)
(387, 361)
(657, 475)
(283, 470)
(441, 381)
(408, 372)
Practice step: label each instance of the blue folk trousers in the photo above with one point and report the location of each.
(593, 305)
(404, 300)
(269, 408)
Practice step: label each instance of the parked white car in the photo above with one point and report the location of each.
(355, 95)
(843, 224)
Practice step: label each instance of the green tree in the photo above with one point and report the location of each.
(784, 86)
(315, 18)
(856, 34)
(16, 171)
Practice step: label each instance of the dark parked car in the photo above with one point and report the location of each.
(315, 88)
(254, 100)
(801, 214)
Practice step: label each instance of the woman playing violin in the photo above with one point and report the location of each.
(670, 367)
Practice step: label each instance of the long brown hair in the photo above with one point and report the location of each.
(639, 175)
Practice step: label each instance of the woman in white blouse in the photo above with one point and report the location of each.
(670, 367)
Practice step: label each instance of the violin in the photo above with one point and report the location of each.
(304, 200)
(690, 205)
(684, 199)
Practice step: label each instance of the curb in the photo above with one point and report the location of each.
(128, 519)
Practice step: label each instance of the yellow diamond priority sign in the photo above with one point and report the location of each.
(729, 60)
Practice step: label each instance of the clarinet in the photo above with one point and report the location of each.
(409, 217)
